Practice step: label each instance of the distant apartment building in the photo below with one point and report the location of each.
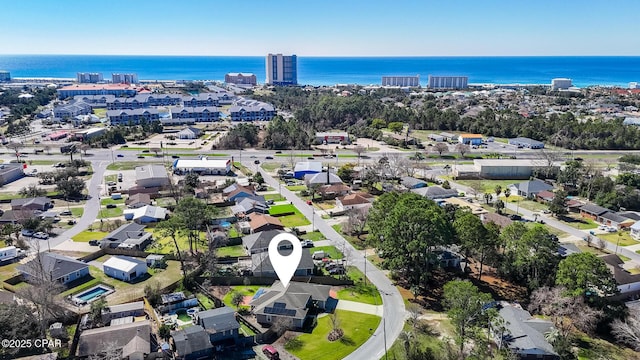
(282, 69)
(141, 101)
(448, 82)
(207, 99)
(96, 101)
(252, 111)
(191, 115)
(632, 85)
(132, 117)
(5, 76)
(404, 81)
(89, 78)
(240, 79)
(96, 89)
(561, 83)
(71, 110)
(117, 78)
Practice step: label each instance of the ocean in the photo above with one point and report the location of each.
(584, 70)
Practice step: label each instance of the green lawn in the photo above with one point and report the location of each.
(233, 233)
(245, 290)
(623, 236)
(294, 220)
(581, 223)
(243, 169)
(110, 213)
(315, 346)
(108, 201)
(313, 236)
(360, 293)
(282, 209)
(125, 165)
(8, 271)
(9, 196)
(424, 339)
(77, 211)
(296, 187)
(112, 177)
(235, 250)
(274, 197)
(165, 201)
(487, 185)
(87, 235)
(331, 251)
(205, 301)
(245, 330)
(165, 245)
(270, 166)
(530, 205)
(353, 240)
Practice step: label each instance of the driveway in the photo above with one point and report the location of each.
(360, 307)
(393, 313)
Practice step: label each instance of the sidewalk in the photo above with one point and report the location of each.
(360, 307)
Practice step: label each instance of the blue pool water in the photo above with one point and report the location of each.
(93, 293)
(225, 224)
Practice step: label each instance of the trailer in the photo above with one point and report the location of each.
(8, 253)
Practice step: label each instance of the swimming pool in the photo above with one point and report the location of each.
(92, 294)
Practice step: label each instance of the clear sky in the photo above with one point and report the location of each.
(321, 27)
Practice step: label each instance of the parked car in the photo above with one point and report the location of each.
(307, 243)
(119, 155)
(119, 177)
(338, 270)
(26, 232)
(270, 352)
(309, 202)
(278, 152)
(175, 157)
(270, 202)
(111, 206)
(611, 229)
(41, 235)
(515, 217)
(94, 242)
(58, 165)
(269, 157)
(66, 213)
(256, 162)
(71, 222)
(311, 158)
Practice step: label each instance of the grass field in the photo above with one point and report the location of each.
(623, 236)
(205, 301)
(108, 201)
(125, 165)
(243, 289)
(331, 251)
(283, 209)
(581, 223)
(77, 211)
(87, 235)
(110, 213)
(165, 245)
(112, 177)
(315, 346)
(235, 250)
(296, 187)
(294, 220)
(353, 240)
(313, 236)
(486, 185)
(270, 167)
(274, 197)
(8, 271)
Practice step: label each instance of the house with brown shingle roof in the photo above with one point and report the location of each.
(497, 219)
(354, 201)
(260, 222)
(331, 191)
(138, 200)
(545, 196)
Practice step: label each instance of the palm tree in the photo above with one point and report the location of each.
(507, 193)
(488, 197)
(498, 190)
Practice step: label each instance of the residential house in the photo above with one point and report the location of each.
(177, 300)
(10, 173)
(155, 261)
(304, 168)
(412, 183)
(614, 220)
(293, 302)
(592, 211)
(146, 214)
(632, 215)
(545, 196)
(191, 343)
(436, 192)
(260, 222)
(112, 312)
(248, 206)
(15, 216)
(574, 205)
(476, 209)
(48, 266)
(220, 324)
(238, 192)
(525, 334)
(628, 284)
(497, 219)
(529, 189)
(138, 200)
(259, 242)
(38, 203)
(354, 201)
(323, 178)
(129, 236)
(635, 230)
(132, 340)
(189, 132)
(261, 265)
(125, 268)
(333, 190)
(152, 175)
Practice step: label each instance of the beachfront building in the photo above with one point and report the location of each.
(89, 78)
(282, 69)
(240, 79)
(252, 111)
(202, 166)
(71, 110)
(96, 89)
(142, 101)
(191, 115)
(448, 82)
(132, 117)
(561, 83)
(130, 78)
(5, 76)
(403, 81)
(207, 99)
(96, 101)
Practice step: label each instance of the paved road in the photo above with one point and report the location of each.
(393, 306)
(552, 222)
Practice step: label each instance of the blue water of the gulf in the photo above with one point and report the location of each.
(584, 70)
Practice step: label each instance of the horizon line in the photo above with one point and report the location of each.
(321, 56)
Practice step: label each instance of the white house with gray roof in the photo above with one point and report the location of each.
(47, 266)
(525, 334)
(124, 268)
(220, 323)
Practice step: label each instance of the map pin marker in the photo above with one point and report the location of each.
(285, 266)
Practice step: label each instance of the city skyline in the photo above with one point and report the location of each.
(350, 29)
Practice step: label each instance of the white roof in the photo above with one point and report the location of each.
(155, 212)
(635, 226)
(508, 162)
(125, 264)
(151, 171)
(308, 166)
(203, 163)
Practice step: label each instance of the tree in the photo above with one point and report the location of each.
(96, 311)
(464, 304)
(469, 231)
(627, 331)
(164, 331)
(171, 228)
(488, 197)
(584, 274)
(507, 193)
(475, 188)
(70, 187)
(258, 179)
(192, 180)
(359, 149)
(237, 299)
(152, 293)
(336, 332)
(558, 205)
(378, 123)
(497, 190)
(16, 149)
(463, 149)
(194, 214)
(346, 172)
(47, 148)
(281, 324)
(440, 148)
(396, 127)
(499, 205)
(407, 228)
(356, 221)
(446, 185)
(17, 322)
(84, 148)
(32, 191)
